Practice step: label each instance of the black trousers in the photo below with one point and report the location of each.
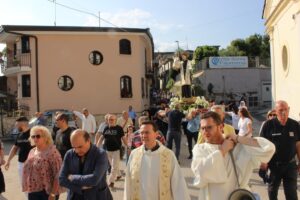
(41, 195)
(190, 136)
(288, 174)
(186, 91)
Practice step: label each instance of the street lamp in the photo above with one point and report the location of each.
(177, 45)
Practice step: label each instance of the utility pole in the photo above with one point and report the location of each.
(54, 1)
(99, 19)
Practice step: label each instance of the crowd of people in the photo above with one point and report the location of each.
(85, 161)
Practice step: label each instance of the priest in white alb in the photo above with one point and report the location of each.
(212, 164)
(153, 172)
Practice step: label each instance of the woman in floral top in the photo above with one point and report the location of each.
(41, 169)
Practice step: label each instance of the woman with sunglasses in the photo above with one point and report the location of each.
(41, 169)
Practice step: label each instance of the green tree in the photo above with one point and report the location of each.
(205, 51)
(254, 45)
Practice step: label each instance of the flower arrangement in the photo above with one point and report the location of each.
(186, 107)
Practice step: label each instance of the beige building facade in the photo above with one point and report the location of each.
(102, 69)
(283, 26)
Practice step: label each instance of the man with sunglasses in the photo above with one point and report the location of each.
(284, 133)
(22, 145)
(212, 164)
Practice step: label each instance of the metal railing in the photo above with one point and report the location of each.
(20, 59)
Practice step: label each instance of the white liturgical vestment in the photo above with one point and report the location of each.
(154, 175)
(214, 173)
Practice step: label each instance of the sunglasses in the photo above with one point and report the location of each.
(35, 136)
(272, 115)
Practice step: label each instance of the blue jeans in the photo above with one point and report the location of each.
(176, 136)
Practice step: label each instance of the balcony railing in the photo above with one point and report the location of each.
(19, 60)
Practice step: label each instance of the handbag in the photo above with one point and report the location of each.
(240, 194)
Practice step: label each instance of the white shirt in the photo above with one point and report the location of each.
(214, 174)
(88, 123)
(150, 173)
(121, 122)
(235, 120)
(243, 126)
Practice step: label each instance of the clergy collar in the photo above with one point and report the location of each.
(154, 148)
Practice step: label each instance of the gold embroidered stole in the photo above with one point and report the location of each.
(164, 176)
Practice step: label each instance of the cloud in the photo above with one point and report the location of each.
(135, 18)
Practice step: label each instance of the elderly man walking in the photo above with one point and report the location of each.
(84, 170)
(88, 122)
(284, 133)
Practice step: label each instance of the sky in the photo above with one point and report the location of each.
(191, 22)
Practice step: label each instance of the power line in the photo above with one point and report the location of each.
(84, 12)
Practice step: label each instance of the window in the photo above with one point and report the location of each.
(96, 58)
(125, 46)
(26, 90)
(125, 87)
(25, 44)
(146, 83)
(143, 88)
(65, 83)
(253, 101)
(284, 58)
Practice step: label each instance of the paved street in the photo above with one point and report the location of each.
(13, 189)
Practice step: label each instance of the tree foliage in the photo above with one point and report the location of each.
(254, 45)
(205, 51)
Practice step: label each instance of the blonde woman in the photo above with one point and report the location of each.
(41, 169)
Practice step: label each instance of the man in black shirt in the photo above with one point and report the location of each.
(22, 145)
(285, 134)
(174, 129)
(62, 139)
(113, 135)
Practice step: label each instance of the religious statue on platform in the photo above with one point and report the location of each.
(184, 67)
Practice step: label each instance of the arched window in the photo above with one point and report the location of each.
(125, 46)
(125, 87)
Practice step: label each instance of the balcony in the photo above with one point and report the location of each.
(12, 65)
(149, 72)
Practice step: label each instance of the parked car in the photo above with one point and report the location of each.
(49, 116)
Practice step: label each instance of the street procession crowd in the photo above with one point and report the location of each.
(85, 161)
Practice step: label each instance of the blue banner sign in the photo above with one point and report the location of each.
(228, 62)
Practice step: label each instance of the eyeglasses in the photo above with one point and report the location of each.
(207, 128)
(35, 136)
(272, 115)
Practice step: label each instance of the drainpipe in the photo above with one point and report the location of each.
(36, 67)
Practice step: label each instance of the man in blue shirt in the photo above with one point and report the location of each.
(132, 114)
(193, 128)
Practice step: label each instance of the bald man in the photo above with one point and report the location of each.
(284, 132)
(84, 169)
